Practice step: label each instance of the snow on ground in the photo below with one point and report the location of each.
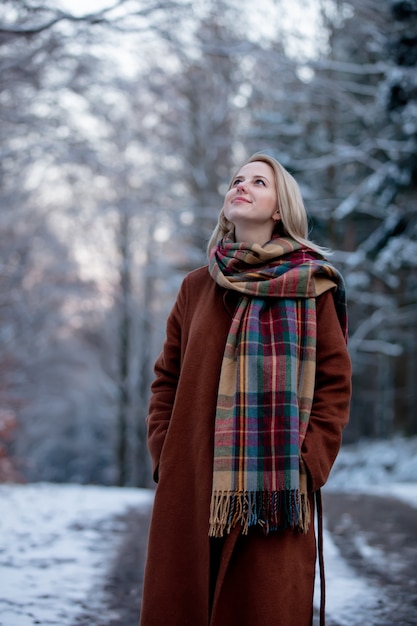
(56, 541)
(388, 467)
(378, 468)
(350, 600)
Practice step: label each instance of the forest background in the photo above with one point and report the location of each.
(120, 125)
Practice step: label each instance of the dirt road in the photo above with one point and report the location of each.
(376, 536)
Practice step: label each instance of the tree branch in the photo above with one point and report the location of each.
(98, 17)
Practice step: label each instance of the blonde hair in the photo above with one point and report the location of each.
(293, 214)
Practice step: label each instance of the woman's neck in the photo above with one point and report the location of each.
(253, 235)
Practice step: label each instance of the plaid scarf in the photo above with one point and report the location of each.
(267, 382)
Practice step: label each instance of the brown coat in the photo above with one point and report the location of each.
(260, 580)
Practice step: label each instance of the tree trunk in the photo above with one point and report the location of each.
(124, 342)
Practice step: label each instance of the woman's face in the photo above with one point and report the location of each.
(251, 202)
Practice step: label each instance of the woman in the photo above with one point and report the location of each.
(251, 394)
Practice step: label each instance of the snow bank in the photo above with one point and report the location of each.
(56, 542)
(378, 467)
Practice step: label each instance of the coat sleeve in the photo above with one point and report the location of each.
(164, 387)
(331, 402)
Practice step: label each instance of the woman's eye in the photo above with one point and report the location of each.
(259, 181)
(236, 182)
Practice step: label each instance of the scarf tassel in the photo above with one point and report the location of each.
(270, 511)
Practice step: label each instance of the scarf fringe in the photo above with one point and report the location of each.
(269, 510)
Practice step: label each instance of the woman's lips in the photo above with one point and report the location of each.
(241, 199)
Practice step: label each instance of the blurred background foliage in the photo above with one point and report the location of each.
(120, 124)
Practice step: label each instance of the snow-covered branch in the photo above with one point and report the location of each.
(360, 69)
(379, 346)
(369, 186)
(109, 16)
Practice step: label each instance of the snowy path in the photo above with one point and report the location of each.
(371, 573)
(370, 567)
(350, 599)
(57, 543)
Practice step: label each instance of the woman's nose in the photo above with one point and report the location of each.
(241, 185)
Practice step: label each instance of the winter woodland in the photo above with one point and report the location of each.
(120, 125)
